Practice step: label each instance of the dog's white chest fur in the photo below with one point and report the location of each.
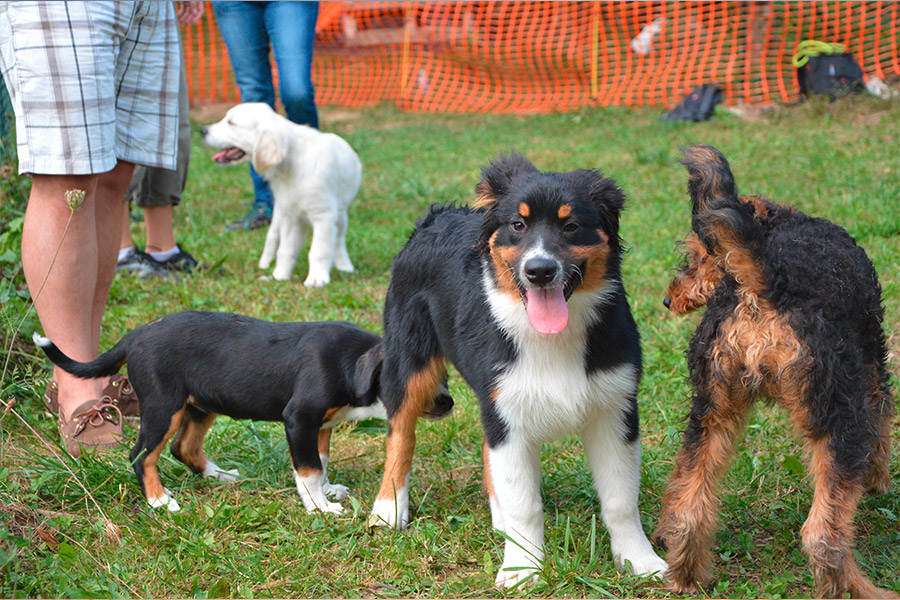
(357, 413)
(547, 393)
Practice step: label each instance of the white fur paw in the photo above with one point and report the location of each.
(512, 576)
(644, 564)
(328, 507)
(344, 267)
(316, 281)
(281, 274)
(264, 263)
(213, 471)
(384, 514)
(166, 500)
(336, 491)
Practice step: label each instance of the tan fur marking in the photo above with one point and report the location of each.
(503, 258)
(694, 283)
(595, 258)
(152, 484)
(524, 209)
(878, 479)
(401, 441)
(484, 195)
(564, 212)
(329, 414)
(760, 206)
(828, 532)
(486, 465)
(324, 441)
(307, 472)
(761, 341)
(734, 258)
(690, 503)
(189, 442)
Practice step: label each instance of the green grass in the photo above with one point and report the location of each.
(253, 538)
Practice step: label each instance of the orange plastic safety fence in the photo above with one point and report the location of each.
(555, 56)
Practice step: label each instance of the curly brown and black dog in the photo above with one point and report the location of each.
(794, 315)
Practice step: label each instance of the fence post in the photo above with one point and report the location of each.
(595, 49)
(404, 59)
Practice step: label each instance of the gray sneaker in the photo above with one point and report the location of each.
(183, 261)
(260, 215)
(142, 265)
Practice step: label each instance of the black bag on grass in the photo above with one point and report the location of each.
(827, 69)
(696, 106)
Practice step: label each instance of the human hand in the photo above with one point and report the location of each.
(189, 13)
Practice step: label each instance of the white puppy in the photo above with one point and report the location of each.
(314, 177)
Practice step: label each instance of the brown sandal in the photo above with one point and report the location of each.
(122, 393)
(119, 389)
(94, 424)
(51, 397)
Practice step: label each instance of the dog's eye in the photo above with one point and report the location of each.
(571, 227)
(517, 226)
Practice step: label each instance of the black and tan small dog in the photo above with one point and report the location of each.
(189, 367)
(524, 295)
(794, 314)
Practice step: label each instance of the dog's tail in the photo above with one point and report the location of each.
(709, 175)
(725, 224)
(108, 363)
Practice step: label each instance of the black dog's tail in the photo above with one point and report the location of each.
(725, 224)
(108, 363)
(709, 175)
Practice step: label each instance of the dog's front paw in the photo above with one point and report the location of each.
(166, 500)
(384, 514)
(281, 274)
(645, 564)
(213, 471)
(336, 491)
(316, 280)
(343, 266)
(683, 586)
(327, 507)
(510, 576)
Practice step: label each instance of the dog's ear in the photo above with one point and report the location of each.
(497, 177)
(268, 150)
(496, 181)
(368, 373)
(608, 198)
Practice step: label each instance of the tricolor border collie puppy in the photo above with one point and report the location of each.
(189, 367)
(524, 296)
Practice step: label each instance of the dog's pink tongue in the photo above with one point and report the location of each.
(228, 155)
(547, 310)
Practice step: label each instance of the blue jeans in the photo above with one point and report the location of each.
(249, 29)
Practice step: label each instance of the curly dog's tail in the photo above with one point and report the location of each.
(723, 222)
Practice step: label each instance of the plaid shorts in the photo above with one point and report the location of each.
(91, 82)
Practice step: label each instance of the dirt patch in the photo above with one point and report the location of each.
(754, 112)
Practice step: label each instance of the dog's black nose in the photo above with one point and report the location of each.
(440, 407)
(667, 302)
(540, 271)
(203, 130)
(443, 403)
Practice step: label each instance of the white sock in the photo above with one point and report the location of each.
(165, 255)
(124, 253)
